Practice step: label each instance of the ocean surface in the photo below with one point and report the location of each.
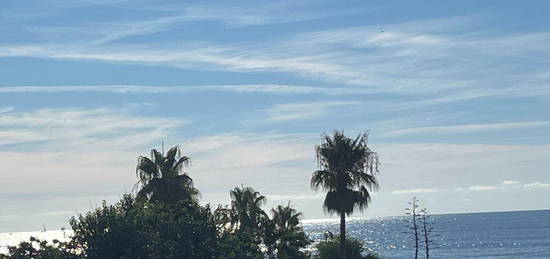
(521, 234)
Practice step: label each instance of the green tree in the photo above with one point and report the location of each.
(347, 169)
(239, 245)
(289, 236)
(40, 249)
(242, 225)
(132, 229)
(331, 248)
(161, 178)
(246, 209)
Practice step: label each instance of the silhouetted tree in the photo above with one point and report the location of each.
(413, 213)
(136, 229)
(330, 248)
(41, 249)
(426, 230)
(347, 169)
(161, 178)
(289, 236)
(246, 209)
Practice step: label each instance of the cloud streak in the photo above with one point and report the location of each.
(151, 89)
(414, 191)
(469, 128)
(103, 128)
(301, 111)
(537, 185)
(401, 60)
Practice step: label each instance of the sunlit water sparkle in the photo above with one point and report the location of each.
(523, 234)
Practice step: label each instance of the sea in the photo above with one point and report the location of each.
(518, 234)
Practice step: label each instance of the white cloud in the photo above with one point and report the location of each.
(95, 129)
(510, 182)
(301, 111)
(226, 151)
(405, 59)
(414, 191)
(469, 128)
(291, 197)
(537, 185)
(55, 213)
(482, 188)
(174, 16)
(5, 109)
(477, 188)
(139, 89)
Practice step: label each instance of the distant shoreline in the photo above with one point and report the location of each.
(321, 220)
(336, 220)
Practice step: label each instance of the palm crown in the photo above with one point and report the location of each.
(347, 172)
(246, 207)
(162, 178)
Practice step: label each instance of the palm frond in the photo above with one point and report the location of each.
(347, 169)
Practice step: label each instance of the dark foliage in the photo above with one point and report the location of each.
(347, 169)
(40, 249)
(162, 178)
(131, 229)
(331, 249)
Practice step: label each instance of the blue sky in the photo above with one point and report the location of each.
(455, 96)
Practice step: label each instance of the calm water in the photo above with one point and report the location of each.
(524, 234)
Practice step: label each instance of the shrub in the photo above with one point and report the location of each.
(330, 249)
(131, 229)
(40, 249)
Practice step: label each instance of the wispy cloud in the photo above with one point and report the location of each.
(5, 109)
(301, 111)
(403, 59)
(537, 185)
(414, 191)
(151, 89)
(54, 213)
(468, 128)
(75, 128)
(510, 182)
(482, 188)
(172, 16)
(291, 197)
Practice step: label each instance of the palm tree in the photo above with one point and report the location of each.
(286, 218)
(246, 208)
(161, 178)
(288, 232)
(225, 219)
(347, 169)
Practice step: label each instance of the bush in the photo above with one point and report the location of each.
(330, 249)
(131, 229)
(40, 249)
(239, 245)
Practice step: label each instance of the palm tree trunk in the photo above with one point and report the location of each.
(343, 235)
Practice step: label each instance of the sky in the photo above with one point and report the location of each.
(455, 96)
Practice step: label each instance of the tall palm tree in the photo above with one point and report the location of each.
(347, 169)
(162, 178)
(246, 208)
